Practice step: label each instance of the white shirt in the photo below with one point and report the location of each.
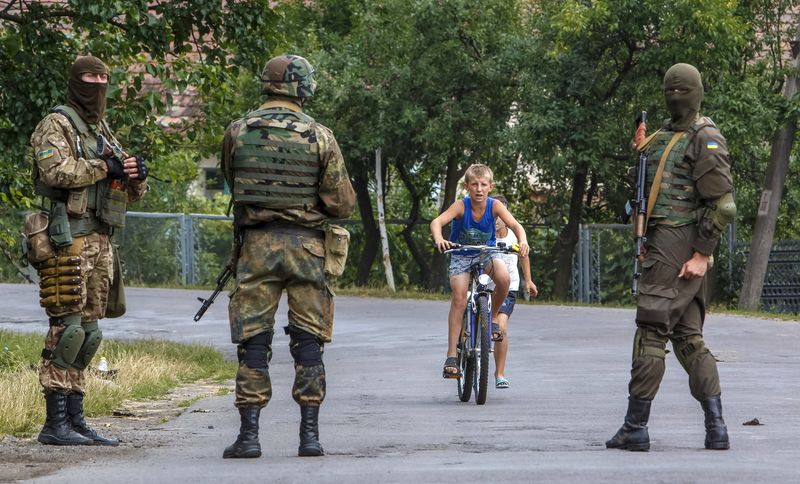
(510, 260)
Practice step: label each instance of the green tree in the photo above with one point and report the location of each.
(594, 65)
(183, 46)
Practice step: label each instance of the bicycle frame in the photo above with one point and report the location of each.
(474, 347)
(476, 289)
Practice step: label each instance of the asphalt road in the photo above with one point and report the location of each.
(390, 417)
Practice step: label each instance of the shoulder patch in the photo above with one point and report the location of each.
(45, 154)
(712, 145)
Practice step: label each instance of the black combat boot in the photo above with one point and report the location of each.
(78, 422)
(56, 430)
(716, 431)
(246, 444)
(633, 433)
(309, 432)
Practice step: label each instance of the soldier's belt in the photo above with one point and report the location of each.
(288, 228)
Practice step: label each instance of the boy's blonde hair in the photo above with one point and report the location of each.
(478, 170)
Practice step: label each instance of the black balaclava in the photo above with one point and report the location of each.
(88, 98)
(684, 104)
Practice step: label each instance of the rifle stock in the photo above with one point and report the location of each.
(222, 279)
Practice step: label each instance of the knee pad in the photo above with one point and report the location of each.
(91, 344)
(69, 345)
(687, 350)
(306, 349)
(647, 342)
(256, 352)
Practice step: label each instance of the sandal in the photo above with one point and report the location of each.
(450, 369)
(501, 382)
(497, 334)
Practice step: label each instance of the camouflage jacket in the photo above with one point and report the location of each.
(57, 162)
(336, 194)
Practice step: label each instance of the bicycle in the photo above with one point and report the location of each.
(475, 340)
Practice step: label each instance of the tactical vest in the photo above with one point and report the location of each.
(276, 161)
(103, 204)
(677, 202)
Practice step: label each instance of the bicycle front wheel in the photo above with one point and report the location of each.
(482, 347)
(465, 363)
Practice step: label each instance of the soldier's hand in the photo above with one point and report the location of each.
(131, 167)
(695, 267)
(142, 167)
(115, 169)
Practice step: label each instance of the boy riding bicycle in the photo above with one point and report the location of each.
(473, 220)
(504, 313)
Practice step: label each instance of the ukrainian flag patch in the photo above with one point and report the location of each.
(45, 154)
(712, 145)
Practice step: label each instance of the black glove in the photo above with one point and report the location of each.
(115, 169)
(143, 170)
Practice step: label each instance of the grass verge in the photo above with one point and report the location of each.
(140, 370)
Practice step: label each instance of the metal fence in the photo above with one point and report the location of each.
(191, 249)
(781, 291)
(603, 267)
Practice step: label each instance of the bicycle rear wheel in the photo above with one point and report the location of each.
(482, 347)
(465, 363)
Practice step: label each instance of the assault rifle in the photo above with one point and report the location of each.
(106, 149)
(639, 211)
(222, 279)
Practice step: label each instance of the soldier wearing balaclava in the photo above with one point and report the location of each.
(689, 188)
(85, 181)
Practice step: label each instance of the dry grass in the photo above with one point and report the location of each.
(140, 370)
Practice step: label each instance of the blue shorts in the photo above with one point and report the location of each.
(508, 305)
(459, 264)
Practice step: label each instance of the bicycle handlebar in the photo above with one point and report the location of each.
(513, 249)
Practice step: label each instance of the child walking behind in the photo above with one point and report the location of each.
(473, 220)
(501, 345)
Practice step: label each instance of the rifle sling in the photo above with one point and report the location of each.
(651, 200)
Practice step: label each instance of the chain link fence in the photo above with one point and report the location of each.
(169, 249)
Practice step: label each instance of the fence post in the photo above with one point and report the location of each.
(186, 249)
(586, 262)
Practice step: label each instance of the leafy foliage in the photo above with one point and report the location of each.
(544, 91)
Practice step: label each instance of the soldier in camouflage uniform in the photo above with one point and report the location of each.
(85, 194)
(287, 179)
(693, 206)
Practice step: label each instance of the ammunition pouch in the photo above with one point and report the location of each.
(58, 229)
(337, 241)
(37, 245)
(114, 205)
(78, 201)
(60, 282)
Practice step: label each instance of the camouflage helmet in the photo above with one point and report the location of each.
(289, 75)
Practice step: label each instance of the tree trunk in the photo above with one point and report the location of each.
(371, 235)
(566, 240)
(387, 261)
(421, 259)
(454, 173)
(764, 231)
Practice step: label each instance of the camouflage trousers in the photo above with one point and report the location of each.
(269, 263)
(671, 309)
(97, 272)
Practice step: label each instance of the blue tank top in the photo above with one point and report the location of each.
(466, 231)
